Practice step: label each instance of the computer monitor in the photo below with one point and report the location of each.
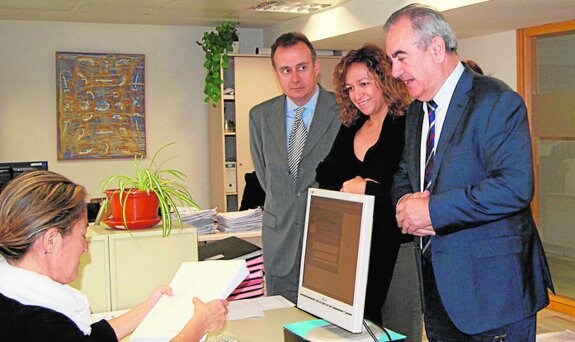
(335, 261)
(10, 170)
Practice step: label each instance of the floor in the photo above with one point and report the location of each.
(563, 274)
(548, 321)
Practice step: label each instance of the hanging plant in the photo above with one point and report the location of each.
(216, 45)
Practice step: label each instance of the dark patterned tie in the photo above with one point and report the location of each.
(296, 142)
(430, 145)
(429, 154)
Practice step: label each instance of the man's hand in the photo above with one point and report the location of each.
(412, 214)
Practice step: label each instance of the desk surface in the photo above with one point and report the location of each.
(264, 329)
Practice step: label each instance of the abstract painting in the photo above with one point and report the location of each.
(101, 105)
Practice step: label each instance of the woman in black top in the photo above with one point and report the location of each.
(363, 159)
(42, 237)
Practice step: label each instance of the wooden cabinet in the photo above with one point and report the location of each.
(122, 268)
(253, 81)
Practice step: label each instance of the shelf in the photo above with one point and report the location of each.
(221, 235)
(232, 111)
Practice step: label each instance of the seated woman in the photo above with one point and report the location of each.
(42, 236)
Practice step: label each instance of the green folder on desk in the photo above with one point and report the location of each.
(297, 332)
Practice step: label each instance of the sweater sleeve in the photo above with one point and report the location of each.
(34, 323)
(332, 171)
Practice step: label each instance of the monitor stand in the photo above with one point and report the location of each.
(332, 332)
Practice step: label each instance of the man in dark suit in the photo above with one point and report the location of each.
(286, 145)
(464, 188)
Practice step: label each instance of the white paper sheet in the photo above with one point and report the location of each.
(255, 307)
(207, 280)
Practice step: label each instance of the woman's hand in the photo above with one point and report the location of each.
(158, 293)
(212, 313)
(355, 185)
(125, 324)
(210, 316)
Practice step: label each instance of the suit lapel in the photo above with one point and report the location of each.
(456, 110)
(322, 118)
(276, 120)
(415, 114)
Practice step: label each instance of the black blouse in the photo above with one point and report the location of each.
(380, 163)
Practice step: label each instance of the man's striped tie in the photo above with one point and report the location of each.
(429, 154)
(296, 142)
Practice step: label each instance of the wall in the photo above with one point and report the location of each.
(496, 54)
(174, 81)
(175, 110)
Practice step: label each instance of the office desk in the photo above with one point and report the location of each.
(265, 329)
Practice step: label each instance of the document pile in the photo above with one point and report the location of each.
(206, 280)
(203, 220)
(237, 221)
(232, 248)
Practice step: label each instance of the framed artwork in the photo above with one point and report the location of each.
(101, 105)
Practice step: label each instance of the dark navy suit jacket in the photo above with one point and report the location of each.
(487, 256)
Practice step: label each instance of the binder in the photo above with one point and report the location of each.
(230, 177)
(227, 249)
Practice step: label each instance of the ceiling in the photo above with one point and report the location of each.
(474, 20)
(154, 12)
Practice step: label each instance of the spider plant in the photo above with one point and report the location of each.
(165, 183)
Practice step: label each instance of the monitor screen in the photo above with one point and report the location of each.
(335, 257)
(10, 170)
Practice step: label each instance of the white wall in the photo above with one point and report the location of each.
(496, 54)
(175, 110)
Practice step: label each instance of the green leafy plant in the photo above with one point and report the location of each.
(165, 183)
(216, 45)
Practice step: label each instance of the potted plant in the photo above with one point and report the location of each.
(216, 45)
(136, 200)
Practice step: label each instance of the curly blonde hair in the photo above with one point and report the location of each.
(379, 65)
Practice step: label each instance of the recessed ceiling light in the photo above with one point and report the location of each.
(289, 6)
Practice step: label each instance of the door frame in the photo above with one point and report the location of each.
(526, 83)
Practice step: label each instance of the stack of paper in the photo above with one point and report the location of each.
(203, 220)
(207, 280)
(235, 248)
(237, 221)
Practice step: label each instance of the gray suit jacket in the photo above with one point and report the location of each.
(285, 203)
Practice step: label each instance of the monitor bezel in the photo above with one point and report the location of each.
(11, 170)
(348, 317)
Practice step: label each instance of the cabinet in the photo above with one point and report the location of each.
(253, 80)
(121, 268)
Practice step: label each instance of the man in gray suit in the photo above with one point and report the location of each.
(289, 135)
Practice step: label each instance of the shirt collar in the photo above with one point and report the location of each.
(443, 96)
(291, 106)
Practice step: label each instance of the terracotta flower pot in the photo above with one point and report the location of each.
(141, 209)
